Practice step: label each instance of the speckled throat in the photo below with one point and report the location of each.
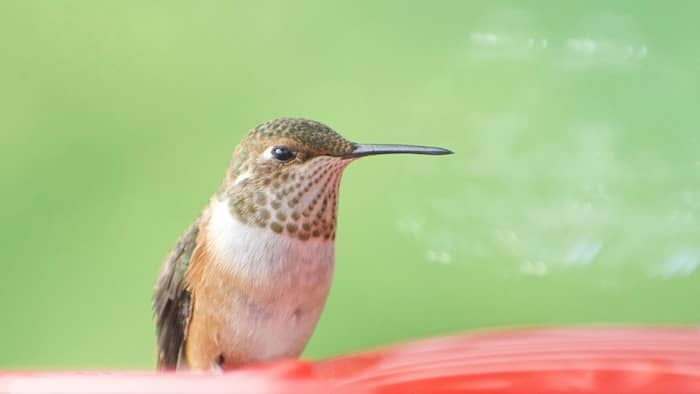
(299, 202)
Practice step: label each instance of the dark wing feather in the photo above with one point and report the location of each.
(171, 301)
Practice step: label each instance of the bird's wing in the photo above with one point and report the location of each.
(172, 300)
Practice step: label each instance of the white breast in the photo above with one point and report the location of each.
(292, 278)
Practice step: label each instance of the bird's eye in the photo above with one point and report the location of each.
(282, 153)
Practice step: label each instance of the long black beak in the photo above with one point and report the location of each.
(383, 149)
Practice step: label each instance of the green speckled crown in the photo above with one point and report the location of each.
(315, 135)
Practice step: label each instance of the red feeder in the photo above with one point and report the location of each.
(581, 360)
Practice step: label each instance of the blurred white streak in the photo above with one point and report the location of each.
(583, 252)
(585, 46)
(438, 256)
(486, 38)
(411, 226)
(534, 268)
(682, 263)
(574, 51)
(589, 51)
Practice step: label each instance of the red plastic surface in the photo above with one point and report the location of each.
(581, 360)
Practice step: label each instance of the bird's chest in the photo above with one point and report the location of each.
(265, 290)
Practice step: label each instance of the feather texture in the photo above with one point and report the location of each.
(172, 302)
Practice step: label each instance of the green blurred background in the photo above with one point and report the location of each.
(573, 196)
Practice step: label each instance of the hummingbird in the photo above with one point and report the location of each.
(247, 281)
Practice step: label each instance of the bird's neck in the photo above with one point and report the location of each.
(264, 257)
